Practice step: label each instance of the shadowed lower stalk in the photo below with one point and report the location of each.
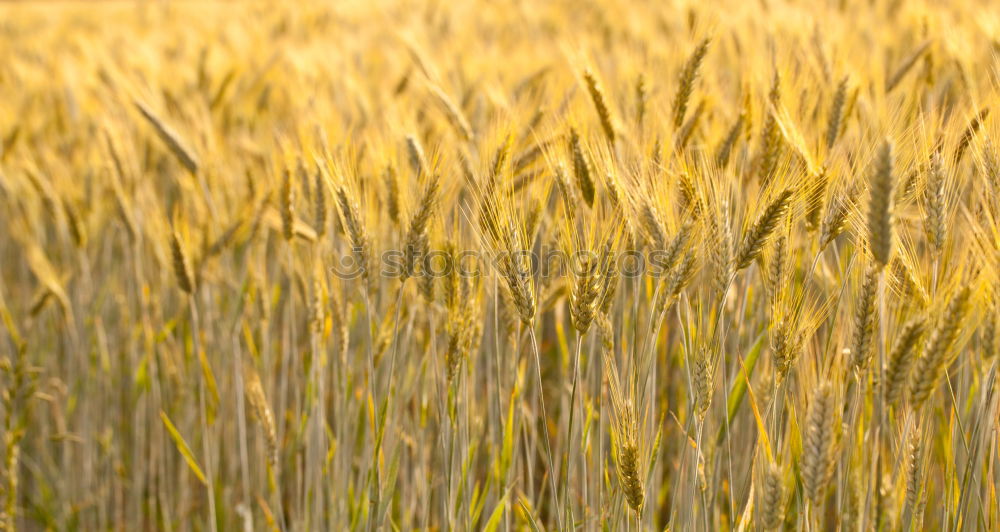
(452, 407)
(880, 239)
(241, 418)
(569, 429)
(203, 413)
(382, 414)
(879, 422)
(545, 426)
(371, 365)
(415, 246)
(496, 360)
(186, 282)
(720, 341)
(316, 409)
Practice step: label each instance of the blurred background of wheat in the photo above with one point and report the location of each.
(819, 180)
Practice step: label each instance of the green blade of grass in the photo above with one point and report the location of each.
(183, 448)
(739, 388)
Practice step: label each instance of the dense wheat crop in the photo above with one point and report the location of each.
(555, 265)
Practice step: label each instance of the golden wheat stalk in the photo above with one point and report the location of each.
(600, 104)
(818, 443)
(880, 231)
(929, 367)
(761, 229)
(169, 137)
(687, 78)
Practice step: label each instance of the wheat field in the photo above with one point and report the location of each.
(552, 265)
